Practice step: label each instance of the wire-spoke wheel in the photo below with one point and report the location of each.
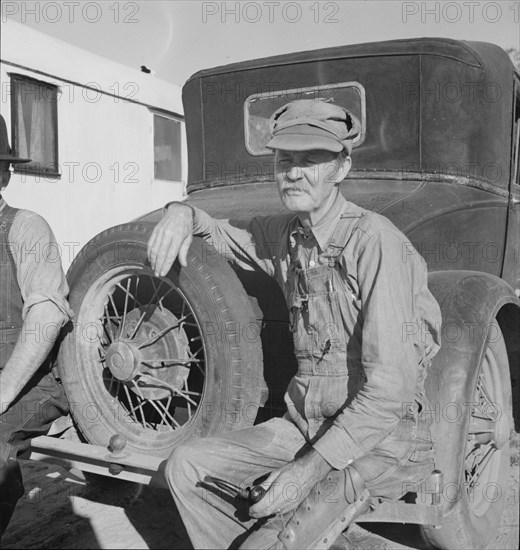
(487, 445)
(158, 360)
(482, 494)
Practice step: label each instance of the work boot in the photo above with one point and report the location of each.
(330, 507)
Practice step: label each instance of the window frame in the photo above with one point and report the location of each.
(319, 88)
(26, 168)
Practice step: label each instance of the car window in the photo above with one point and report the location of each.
(167, 147)
(258, 109)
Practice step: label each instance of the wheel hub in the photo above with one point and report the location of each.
(123, 359)
(156, 346)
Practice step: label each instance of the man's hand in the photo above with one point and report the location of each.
(170, 238)
(288, 486)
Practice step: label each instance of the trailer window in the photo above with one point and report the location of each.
(167, 148)
(34, 114)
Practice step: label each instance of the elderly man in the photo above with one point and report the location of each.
(33, 307)
(355, 422)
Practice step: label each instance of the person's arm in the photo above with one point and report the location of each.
(388, 284)
(35, 341)
(248, 245)
(44, 290)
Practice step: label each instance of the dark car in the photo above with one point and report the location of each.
(208, 349)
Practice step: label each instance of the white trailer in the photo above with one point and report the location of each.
(107, 142)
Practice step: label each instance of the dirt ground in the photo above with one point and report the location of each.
(63, 509)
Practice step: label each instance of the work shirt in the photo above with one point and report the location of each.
(365, 325)
(37, 259)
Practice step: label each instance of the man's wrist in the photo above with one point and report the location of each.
(8, 393)
(316, 463)
(171, 203)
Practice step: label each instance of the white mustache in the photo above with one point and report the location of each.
(292, 188)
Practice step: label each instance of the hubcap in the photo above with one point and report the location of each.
(123, 360)
(145, 348)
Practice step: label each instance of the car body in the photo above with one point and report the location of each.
(439, 156)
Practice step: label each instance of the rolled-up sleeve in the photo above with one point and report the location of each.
(250, 244)
(37, 257)
(388, 289)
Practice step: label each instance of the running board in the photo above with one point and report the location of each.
(149, 470)
(139, 468)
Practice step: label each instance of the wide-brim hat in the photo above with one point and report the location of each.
(307, 124)
(5, 150)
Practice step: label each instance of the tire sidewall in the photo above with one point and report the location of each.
(211, 286)
(461, 528)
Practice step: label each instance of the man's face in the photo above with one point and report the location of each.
(306, 179)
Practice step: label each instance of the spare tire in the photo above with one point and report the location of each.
(158, 359)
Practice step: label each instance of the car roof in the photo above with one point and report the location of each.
(413, 124)
(467, 52)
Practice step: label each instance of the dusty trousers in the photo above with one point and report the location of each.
(32, 414)
(216, 520)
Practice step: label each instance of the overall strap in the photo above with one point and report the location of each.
(6, 221)
(11, 303)
(340, 236)
(7, 217)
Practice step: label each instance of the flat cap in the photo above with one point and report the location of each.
(307, 124)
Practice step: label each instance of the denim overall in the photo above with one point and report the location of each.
(316, 320)
(322, 345)
(330, 371)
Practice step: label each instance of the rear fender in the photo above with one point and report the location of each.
(470, 302)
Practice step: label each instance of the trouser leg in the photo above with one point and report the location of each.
(212, 518)
(40, 403)
(216, 521)
(11, 489)
(401, 461)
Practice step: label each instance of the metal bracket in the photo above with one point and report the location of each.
(129, 466)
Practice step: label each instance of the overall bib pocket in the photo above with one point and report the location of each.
(317, 325)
